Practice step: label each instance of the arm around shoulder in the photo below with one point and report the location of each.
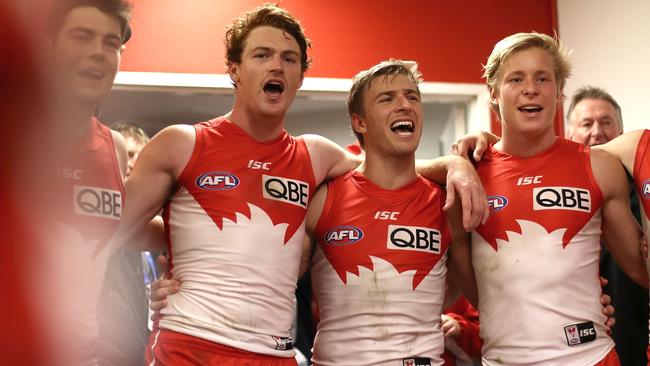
(624, 148)
(328, 159)
(620, 230)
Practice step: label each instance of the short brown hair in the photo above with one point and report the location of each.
(522, 41)
(270, 15)
(362, 81)
(120, 9)
(129, 129)
(592, 92)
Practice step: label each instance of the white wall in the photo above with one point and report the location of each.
(611, 50)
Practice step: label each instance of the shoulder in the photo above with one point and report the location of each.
(175, 136)
(319, 142)
(603, 159)
(171, 148)
(623, 148)
(608, 173)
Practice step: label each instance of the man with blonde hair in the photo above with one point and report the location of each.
(135, 139)
(538, 253)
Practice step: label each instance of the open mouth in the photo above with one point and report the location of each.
(402, 127)
(530, 108)
(274, 87)
(93, 75)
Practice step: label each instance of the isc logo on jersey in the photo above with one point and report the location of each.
(580, 333)
(217, 181)
(645, 187)
(286, 190)
(421, 239)
(343, 235)
(98, 202)
(497, 203)
(561, 198)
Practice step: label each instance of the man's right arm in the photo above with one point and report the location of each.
(151, 182)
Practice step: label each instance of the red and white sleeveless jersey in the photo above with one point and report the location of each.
(642, 171)
(379, 273)
(89, 196)
(536, 259)
(235, 229)
(641, 176)
(90, 189)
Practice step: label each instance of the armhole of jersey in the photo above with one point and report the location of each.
(300, 141)
(585, 152)
(327, 208)
(196, 152)
(116, 165)
(165, 215)
(639, 155)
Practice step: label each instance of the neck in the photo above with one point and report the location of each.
(525, 144)
(260, 127)
(71, 121)
(389, 172)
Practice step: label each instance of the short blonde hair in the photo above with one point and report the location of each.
(522, 41)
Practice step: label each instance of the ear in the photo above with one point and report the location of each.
(302, 78)
(494, 96)
(359, 123)
(494, 101)
(233, 71)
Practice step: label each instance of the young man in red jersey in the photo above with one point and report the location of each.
(235, 191)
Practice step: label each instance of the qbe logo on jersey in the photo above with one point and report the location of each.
(580, 333)
(286, 190)
(561, 198)
(98, 202)
(421, 239)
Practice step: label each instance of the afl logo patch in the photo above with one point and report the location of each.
(217, 181)
(497, 203)
(343, 235)
(645, 187)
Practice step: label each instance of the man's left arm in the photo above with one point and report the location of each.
(620, 230)
(462, 181)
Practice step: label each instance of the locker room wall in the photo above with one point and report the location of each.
(450, 41)
(611, 49)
